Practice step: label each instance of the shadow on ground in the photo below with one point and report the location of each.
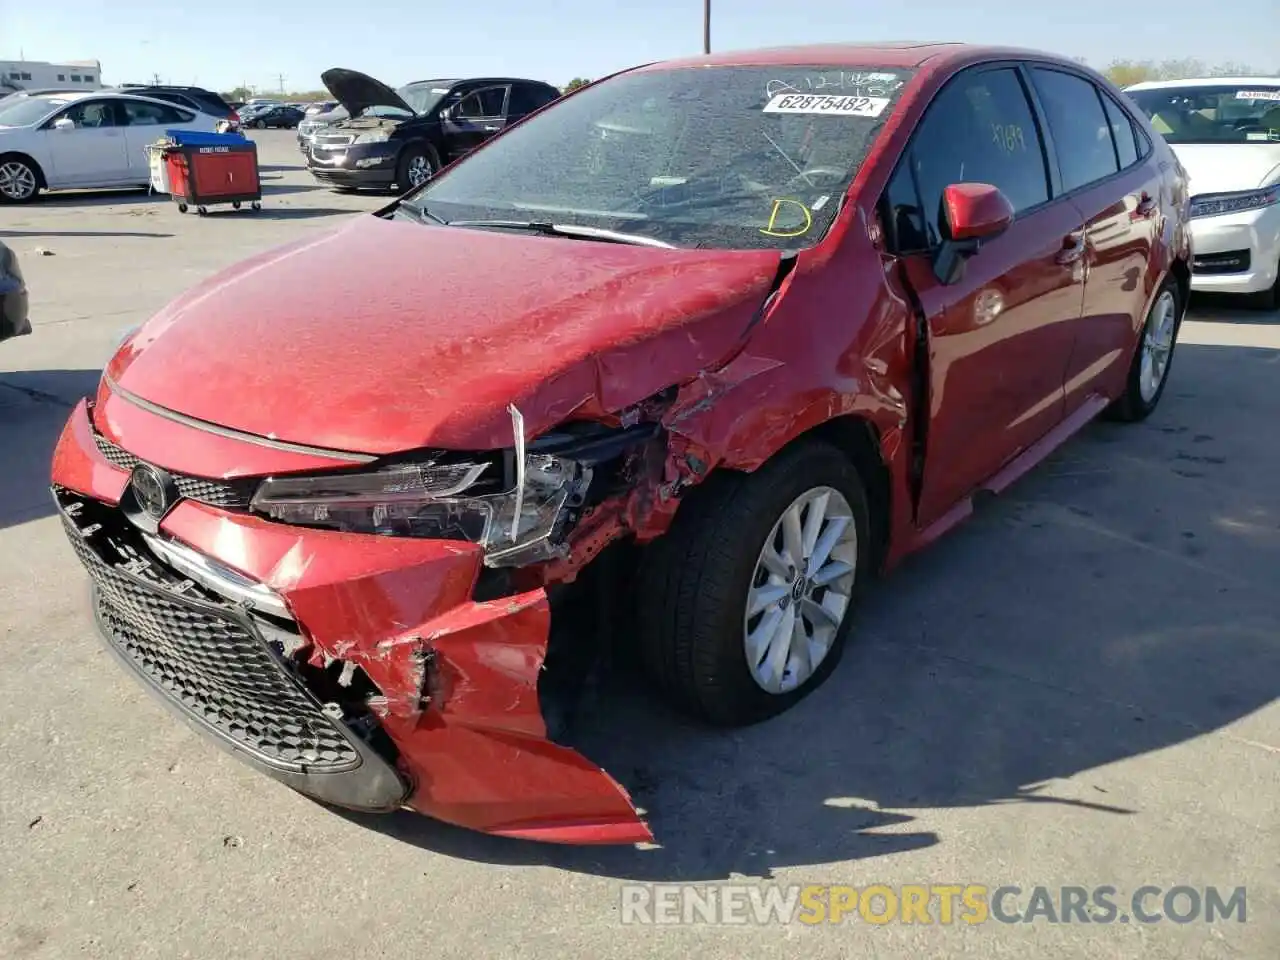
(1231, 309)
(33, 408)
(1113, 603)
(84, 233)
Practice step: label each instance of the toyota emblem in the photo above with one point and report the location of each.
(150, 490)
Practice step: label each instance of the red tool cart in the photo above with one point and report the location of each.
(205, 173)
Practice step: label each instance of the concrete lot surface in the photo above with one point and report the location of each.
(1077, 688)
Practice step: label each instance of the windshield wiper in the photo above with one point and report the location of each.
(419, 212)
(567, 230)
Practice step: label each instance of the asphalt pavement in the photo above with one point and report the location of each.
(1078, 687)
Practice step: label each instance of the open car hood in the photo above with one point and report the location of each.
(358, 91)
(385, 336)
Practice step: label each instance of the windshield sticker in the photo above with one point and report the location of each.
(837, 106)
(1258, 94)
(778, 206)
(1268, 135)
(439, 89)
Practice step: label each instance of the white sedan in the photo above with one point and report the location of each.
(1226, 132)
(63, 141)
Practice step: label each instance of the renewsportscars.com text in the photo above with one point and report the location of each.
(943, 904)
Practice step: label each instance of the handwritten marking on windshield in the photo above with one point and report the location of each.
(787, 158)
(1008, 137)
(770, 231)
(855, 83)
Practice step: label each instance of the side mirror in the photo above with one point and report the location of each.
(64, 123)
(971, 213)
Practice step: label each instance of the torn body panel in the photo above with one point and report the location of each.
(454, 681)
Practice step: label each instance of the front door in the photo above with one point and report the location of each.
(476, 117)
(91, 153)
(997, 339)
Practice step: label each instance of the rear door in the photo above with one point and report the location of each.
(526, 98)
(997, 340)
(146, 123)
(94, 152)
(1109, 174)
(479, 115)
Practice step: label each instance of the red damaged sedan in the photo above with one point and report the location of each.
(730, 335)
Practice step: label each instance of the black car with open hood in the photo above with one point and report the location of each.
(402, 137)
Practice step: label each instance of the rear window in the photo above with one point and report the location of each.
(1217, 113)
(725, 157)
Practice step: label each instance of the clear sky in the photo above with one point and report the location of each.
(223, 43)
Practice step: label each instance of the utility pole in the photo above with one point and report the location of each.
(706, 26)
(155, 79)
(280, 79)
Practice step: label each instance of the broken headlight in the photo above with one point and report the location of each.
(440, 501)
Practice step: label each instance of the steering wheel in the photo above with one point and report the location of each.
(814, 176)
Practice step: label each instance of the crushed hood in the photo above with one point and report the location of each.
(384, 336)
(1221, 167)
(358, 91)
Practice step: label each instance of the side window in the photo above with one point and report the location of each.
(979, 129)
(140, 114)
(91, 115)
(1081, 134)
(526, 99)
(1122, 132)
(485, 103)
(901, 213)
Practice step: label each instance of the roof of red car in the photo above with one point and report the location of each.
(905, 53)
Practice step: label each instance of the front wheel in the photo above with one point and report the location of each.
(748, 600)
(1149, 371)
(418, 164)
(260, 124)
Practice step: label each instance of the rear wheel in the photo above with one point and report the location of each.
(1149, 371)
(19, 180)
(748, 599)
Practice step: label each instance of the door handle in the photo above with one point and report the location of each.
(491, 127)
(1072, 249)
(1146, 205)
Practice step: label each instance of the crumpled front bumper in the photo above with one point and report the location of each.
(457, 678)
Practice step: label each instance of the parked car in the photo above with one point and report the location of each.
(313, 123)
(1226, 132)
(89, 139)
(403, 136)
(190, 98)
(281, 117)
(682, 361)
(320, 106)
(14, 320)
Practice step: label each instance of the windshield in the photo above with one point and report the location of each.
(1213, 114)
(27, 110)
(422, 96)
(723, 157)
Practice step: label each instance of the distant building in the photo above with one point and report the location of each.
(39, 75)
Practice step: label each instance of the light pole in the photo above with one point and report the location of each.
(706, 26)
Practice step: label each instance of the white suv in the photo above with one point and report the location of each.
(1226, 133)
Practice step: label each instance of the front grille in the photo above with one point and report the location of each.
(227, 494)
(333, 139)
(1233, 261)
(203, 655)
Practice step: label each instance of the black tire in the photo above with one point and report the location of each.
(408, 157)
(694, 583)
(33, 177)
(260, 124)
(1266, 299)
(235, 204)
(183, 208)
(1132, 407)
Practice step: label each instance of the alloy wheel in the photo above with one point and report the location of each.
(17, 180)
(1157, 345)
(800, 590)
(419, 170)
